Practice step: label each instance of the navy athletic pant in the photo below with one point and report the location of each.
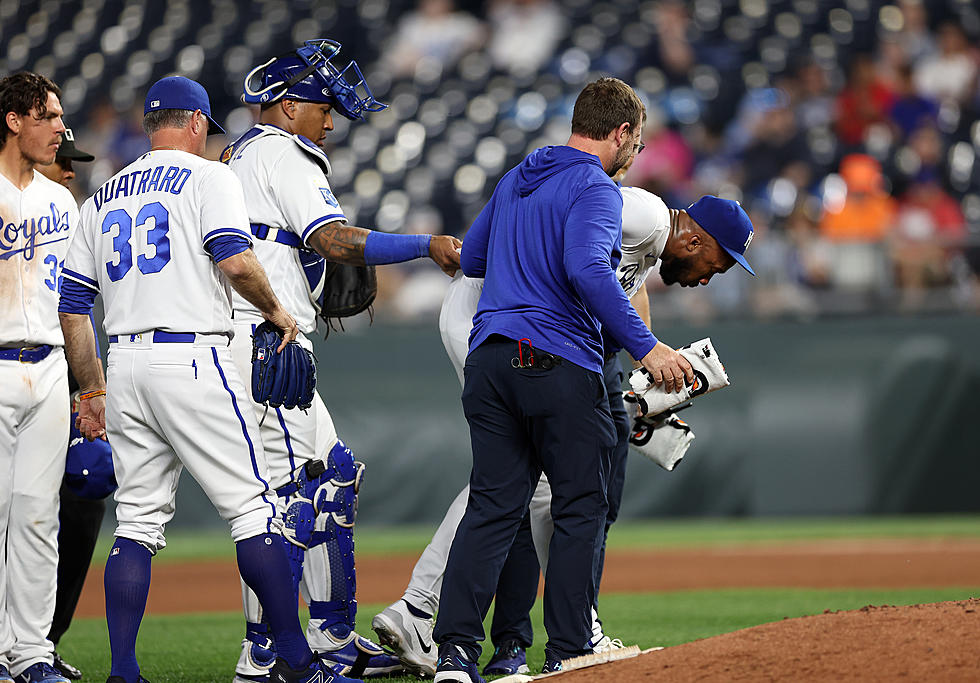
(524, 421)
(518, 584)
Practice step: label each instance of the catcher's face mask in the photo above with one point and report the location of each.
(307, 74)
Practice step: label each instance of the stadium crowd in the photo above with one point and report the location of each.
(848, 129)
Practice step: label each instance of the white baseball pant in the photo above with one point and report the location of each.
(34, 414)
(175, 405)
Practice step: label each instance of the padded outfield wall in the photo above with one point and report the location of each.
(841, 416)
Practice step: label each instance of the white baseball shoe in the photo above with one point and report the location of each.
(409, 636)
(255, 662)
(607, 644)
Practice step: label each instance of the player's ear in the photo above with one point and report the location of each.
(13, 121)
(694, 242)
(621, 134)
(288, 108)
(196, 118)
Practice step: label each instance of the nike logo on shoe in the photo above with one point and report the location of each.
(426, 647)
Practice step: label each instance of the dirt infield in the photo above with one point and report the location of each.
(213, 586)
(918, 643)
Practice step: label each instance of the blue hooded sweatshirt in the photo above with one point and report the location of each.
(547, 244)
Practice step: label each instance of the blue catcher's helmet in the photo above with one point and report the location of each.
(307, 74)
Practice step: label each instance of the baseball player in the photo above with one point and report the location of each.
(38, 217)
(162, 240)
(79, 518)
(652, 233)
(298, 223)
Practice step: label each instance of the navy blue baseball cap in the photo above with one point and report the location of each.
(88, 466)
(177, 92)
(727, 222)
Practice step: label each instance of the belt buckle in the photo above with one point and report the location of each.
(20, 354)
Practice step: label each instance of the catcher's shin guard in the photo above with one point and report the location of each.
(336, 501)
(321, 504)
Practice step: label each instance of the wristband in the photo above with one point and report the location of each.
(383, 247)
(91, 394)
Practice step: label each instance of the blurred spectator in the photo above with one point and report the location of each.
(910, 109)
(672, 20)
(524, 33)
(434, 30)
(743, 129)
(867, 212)
(811, 255)
(865, 100)
(811, 95)
(778, 149)
(857, 226)
(666, 163)
(927, 145)
(952, 73)
(127, 141)
(915, 38)
(929, 235)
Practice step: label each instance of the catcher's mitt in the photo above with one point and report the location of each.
(285, 379)
(338, 290)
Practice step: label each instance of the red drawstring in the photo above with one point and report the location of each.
(520, 353)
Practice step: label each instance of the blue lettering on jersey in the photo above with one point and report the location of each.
(328, 197)
(168, 178)
(179, 181)
(138, 182)
(154, 179)
(36, 231)
(143, 178)
(122, 187)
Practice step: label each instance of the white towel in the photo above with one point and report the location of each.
(709, 375)
(663, 441)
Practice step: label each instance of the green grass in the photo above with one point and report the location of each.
(204, 648)
(674, 533)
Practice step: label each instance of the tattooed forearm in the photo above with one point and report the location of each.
(341, 243)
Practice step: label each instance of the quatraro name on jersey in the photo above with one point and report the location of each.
(154, 179)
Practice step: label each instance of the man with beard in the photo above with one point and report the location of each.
(547, 244)
(688, 253)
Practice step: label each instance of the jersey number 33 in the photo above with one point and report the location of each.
(122, 242)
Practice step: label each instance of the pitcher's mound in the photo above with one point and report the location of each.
(934, 642)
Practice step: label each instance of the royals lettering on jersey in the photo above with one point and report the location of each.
(143, 244)
(139, 182)
(32, 232)
(36, 225)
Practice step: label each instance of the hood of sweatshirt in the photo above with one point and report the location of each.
(544, 162)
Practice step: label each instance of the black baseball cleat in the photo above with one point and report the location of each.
(316, 672)
(551, 665)
(64, 668)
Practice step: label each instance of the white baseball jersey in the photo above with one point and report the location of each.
(286, 189)
(152, 277)
(35, 226)
(646, 227)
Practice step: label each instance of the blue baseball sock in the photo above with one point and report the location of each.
(263, 565)
(127, 582)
